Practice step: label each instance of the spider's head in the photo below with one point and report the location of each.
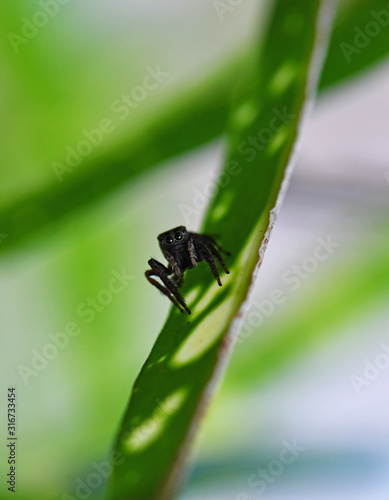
(173, 238)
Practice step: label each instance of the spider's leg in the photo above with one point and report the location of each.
(208, 257)
(192, 253)
(215, 244)
(158, 269)
(216, 254)
(161, 288)
(177, 280)
(170, 290)
(172, 263)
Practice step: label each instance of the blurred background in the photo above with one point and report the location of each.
(313, 372)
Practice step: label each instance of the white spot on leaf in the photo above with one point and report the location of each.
(283, 77)
(151, 428)
(245, 114)
(277, 141)
(204, 335)
(192, 295)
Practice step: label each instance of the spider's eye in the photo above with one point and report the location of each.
(169, 240)
(161, 241)
(178, 236)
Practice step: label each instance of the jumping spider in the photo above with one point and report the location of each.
(183, 250)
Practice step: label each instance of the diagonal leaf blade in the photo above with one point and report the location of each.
(177, 380)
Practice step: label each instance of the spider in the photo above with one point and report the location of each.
(183, 250)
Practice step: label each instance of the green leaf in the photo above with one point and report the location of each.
(197, 116)
(178, 378)
(360, 40)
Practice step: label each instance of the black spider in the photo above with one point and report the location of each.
(183, 250)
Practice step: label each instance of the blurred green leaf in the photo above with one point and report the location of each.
(178, 378)
(360, 40)
(197, 116)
